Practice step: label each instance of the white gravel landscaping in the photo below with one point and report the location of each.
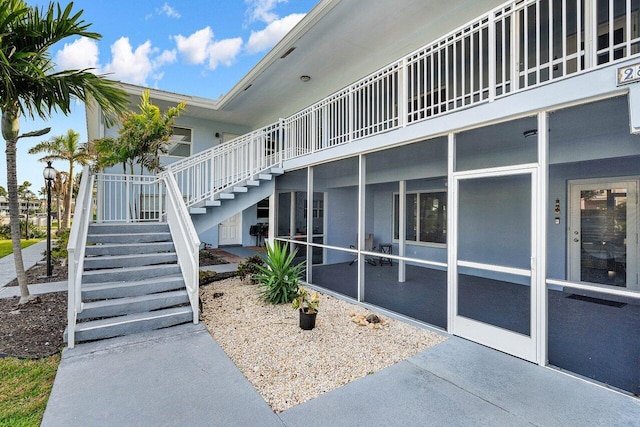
(289, 366)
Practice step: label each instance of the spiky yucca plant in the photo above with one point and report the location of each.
(278, 278)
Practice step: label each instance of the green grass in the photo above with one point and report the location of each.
(25, 389)
(6, 248)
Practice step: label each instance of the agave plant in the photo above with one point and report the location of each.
(278, 278)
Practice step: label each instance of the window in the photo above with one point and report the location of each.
(263, 209)
(179, 144)
(426, 217)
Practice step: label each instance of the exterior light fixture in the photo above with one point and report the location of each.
(49, 174)
(530, 132)
(305, 78)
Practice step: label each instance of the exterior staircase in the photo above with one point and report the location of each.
(233, 192)
(131, 282)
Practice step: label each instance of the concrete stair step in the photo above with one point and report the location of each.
(276, 171)
(129, 248)
(210, 203)
(226, 196)
(240, 189)
(131, 323)
(132, 260)
(197, 211)
(264, 177)
(129, 238)
(129, 273)
(129, 228)
(132, 288)
(253, 183)
(131, 305)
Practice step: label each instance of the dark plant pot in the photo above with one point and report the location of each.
(307, 320)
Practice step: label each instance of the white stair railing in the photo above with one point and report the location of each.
(185, 240)
(129, 198)
(205, 175)
(76, 250)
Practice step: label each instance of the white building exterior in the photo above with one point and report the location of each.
(490, 147)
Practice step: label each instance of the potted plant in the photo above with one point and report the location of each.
(307, 304)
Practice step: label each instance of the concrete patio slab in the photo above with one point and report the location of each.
(401, 395)
(542, 396)
(460, 383)
(180, 376)
(172, 377)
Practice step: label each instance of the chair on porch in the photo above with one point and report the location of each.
(368, 246)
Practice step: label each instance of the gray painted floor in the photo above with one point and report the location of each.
(180, 376)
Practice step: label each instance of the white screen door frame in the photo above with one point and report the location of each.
(510, 342)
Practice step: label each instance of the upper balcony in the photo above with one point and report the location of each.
(515, 47)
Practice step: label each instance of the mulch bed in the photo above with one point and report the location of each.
(35, 329)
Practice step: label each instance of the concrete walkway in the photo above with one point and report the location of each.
(180, 376)
(30, 256)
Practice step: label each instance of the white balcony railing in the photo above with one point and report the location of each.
(519, 45)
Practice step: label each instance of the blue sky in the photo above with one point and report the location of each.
(195, 47)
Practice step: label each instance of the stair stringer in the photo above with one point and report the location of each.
(203, 223)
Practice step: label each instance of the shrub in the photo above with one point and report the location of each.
(249, 268)
(59, 252)
(278, 279)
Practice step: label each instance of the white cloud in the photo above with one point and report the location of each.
(169, 11)
(261, 10)
(224, 52)
(201, 46)
(194, 47)
(273, 33)
(133, 66)
(78, 55)
(166, 57)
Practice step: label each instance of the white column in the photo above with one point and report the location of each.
(308, 248)
(402, 231)
(273, 217)
(362, 176)
(452, 226)
(541, 230)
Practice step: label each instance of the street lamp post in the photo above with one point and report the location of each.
(49, 174)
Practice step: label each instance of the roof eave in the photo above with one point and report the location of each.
(288, 41)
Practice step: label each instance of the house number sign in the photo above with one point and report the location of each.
(629, 74)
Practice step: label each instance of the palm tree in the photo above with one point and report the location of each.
(64, 147)
(59, 191)
(142, 138)
(30, 85)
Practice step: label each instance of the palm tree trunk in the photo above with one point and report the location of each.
(59, 216)
(10, 128)
(67, 199)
